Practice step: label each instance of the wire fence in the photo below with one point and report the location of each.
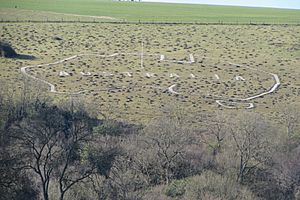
(219, 22)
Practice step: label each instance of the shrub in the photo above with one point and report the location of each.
(176, 188)
(213, 186)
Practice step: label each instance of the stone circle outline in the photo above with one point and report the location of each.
(220, 101)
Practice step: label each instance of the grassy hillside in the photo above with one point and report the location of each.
(133, 11)
(138, 98)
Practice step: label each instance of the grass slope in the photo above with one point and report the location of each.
(133, 11)
(274, 49)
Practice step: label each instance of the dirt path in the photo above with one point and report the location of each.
(88, 16)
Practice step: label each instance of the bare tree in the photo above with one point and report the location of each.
(167, 138)
(290, 119)
(250, 141)
(286, 170)
(72, 168)
(52, 139)
(38, 138)
(215, 132)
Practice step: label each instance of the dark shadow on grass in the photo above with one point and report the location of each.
(7, 51)
(21, 57)
(24, 57)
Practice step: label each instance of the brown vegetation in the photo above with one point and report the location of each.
(64, 152)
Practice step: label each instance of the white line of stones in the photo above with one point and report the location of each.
(251, 105)
(232, 101)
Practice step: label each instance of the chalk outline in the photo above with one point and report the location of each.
(237, 101)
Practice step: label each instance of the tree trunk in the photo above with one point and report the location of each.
(45, 194)
(241, 171)
(45, 190)
(62, 196)
(167, 178)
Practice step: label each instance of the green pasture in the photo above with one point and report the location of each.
(135, 11)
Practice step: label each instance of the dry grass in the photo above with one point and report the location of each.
(271, 48)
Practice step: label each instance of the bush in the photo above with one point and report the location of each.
(115, 128)
(176, 188)
(212, 186)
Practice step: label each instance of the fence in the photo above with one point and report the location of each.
(290, 23)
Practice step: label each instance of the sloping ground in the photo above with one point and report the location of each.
(268, 48)
(12, 14)
(135, 11)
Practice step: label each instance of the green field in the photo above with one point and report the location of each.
(134, 11)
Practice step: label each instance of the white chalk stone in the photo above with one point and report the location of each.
(63, 74)
(239, 78)
(86, 74)
(192, 59)
(174, 75)
(149, 75)
(128, 74)
(107, 74)
(171, 89)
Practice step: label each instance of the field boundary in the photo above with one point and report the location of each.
(151, 22)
